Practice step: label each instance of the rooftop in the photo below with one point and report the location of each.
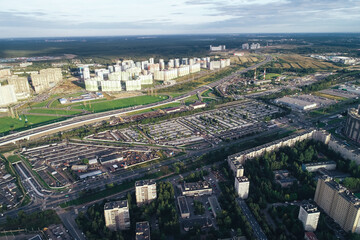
(242, 179)
(116, 204)
(142, 231)
(196, 186)
(145, 182)
(310, 208)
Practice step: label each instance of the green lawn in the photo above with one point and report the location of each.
(55, 111)
(8, 123)
(191, 99)
(175, 104)
(120, 103)
(13, 158)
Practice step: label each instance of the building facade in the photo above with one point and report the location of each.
(352, 127)
(339, 203)
(117, 215)
(309, 216)
(145, 191)
(242, 185)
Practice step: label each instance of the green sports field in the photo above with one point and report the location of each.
(120, 103)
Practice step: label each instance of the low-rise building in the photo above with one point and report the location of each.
(196, 189)
(214, 204)
(117, 216)
(284, 178)
(198, 105)
(142, 231)
(309, 216)
(296, 104)
(183, 207)
(313, 167)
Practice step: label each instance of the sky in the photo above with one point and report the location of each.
(65, 18)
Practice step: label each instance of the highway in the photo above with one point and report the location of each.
(12, 138)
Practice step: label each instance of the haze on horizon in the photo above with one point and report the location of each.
(66, 18)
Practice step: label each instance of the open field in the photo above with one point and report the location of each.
(8, 123)
(298, 61)
(332, 97)
(120, 103)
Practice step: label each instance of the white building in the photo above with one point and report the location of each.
(245, 46)
(194, 67)
(145, 191)
(309, 216)
(159, 75)
(110, 86)
(132, 85)
(7, 95)
(91, 85)
(183, 70)
(295, 103)
(217, 48)
(117, 216)
(86, 72)
(242, 185)
(21, 86)
(255, 46)
(146, 79)
(170, 74)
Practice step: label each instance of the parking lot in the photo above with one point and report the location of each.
(212, 126)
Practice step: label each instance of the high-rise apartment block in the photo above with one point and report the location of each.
(339, 203)
(117, 215)
(309, 216)
(145, 191)
(5, 72)
(21, 86)
(242, 185)
(7, 95)
(47, 78)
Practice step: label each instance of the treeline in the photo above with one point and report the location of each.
(164, 210)
(92, 223)
(33, 221)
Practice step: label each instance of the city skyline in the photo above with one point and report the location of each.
(109, 18)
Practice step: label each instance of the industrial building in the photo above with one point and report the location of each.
(145, 191)
(296, 104)
(309, 216)
(352, 126)
(183, 207)
(339, 203)
(242, 185)
(7, 95)
(142, 231)
(117, 216)
(196, 189)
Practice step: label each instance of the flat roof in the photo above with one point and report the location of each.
(215, 206)
(183, 206)
(142, 231)
(145, 182)
(116, 204)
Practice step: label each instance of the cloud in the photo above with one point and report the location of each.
(182, 16)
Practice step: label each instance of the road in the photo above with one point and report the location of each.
(57, 127)
(251, 219)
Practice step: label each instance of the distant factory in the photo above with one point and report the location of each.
(131, 76)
